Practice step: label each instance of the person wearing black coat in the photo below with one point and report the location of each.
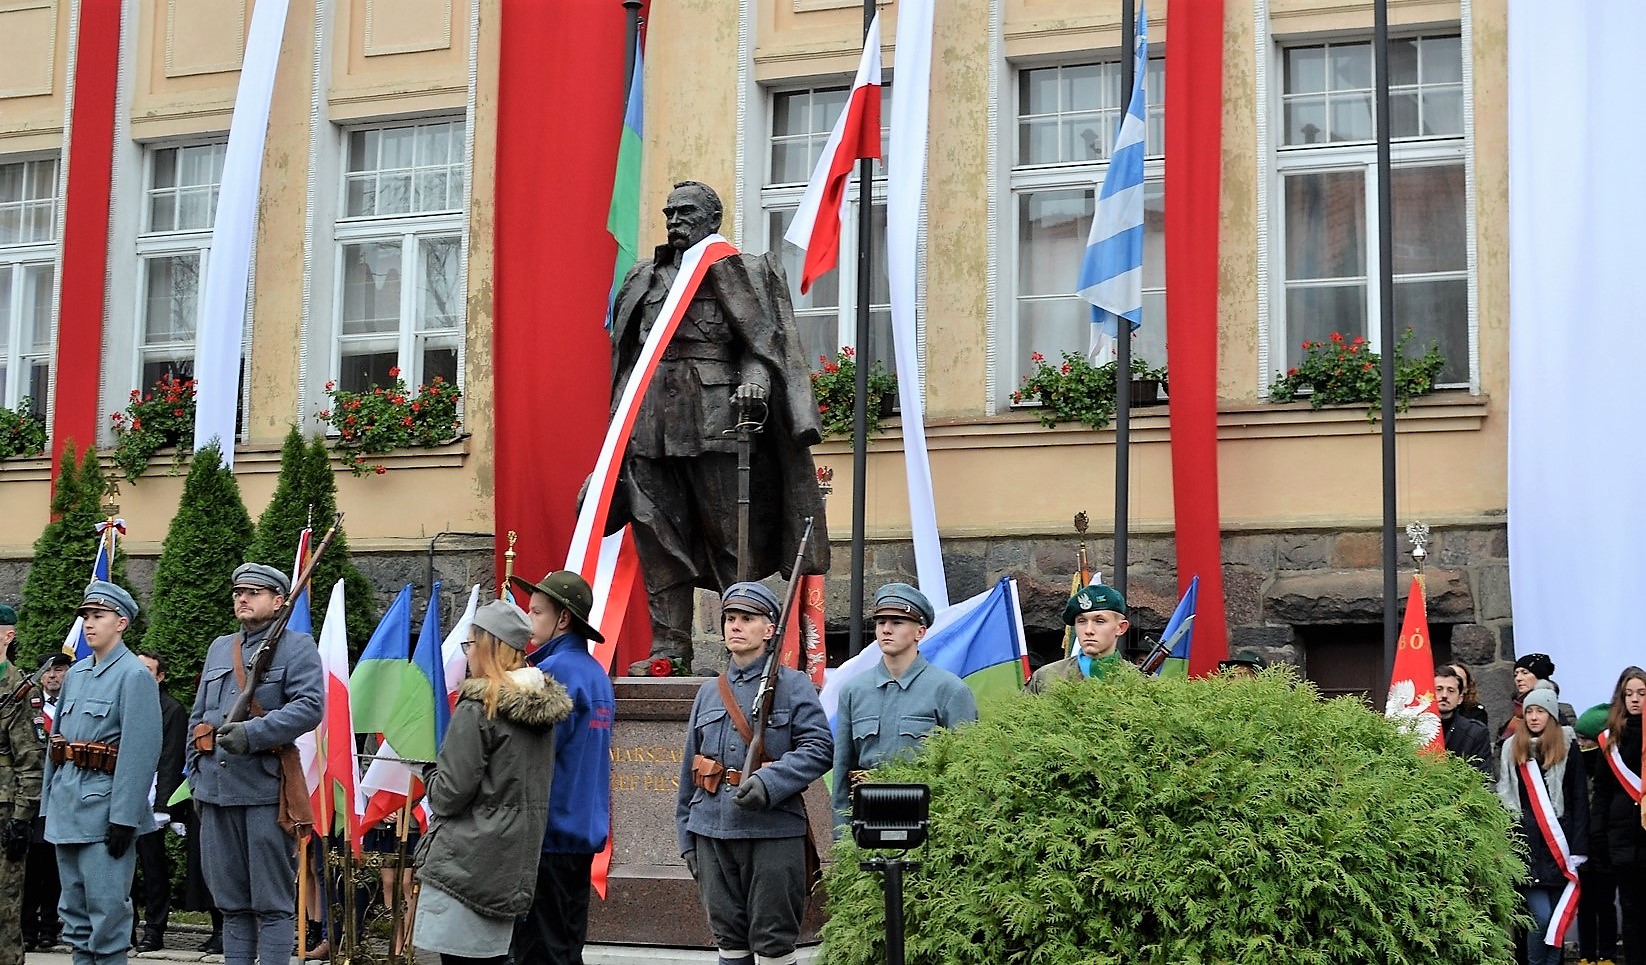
(1617, 813)
(1541, 739)
(1463, 737)
(154, 894)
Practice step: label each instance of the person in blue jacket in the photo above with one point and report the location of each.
(580, 797)
(104, 749)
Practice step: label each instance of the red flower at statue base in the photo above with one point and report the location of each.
(661, 667)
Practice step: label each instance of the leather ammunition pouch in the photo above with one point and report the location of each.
(709, 774)
(86, 755)
(205, 737)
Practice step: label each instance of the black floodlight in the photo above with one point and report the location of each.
(890, 817)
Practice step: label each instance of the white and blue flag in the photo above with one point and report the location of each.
(1111, 273)
(102, 566)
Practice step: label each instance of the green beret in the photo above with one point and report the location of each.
(8, 616)
(1092, 598)
(1592, 721)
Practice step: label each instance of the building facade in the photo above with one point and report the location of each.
(375, 250)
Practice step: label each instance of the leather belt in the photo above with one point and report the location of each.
(86, 755)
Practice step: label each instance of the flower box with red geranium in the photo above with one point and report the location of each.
(22, 430)
(380, 419)
(162, 416)
(1075, 390)
(835, 388)
(1345, 370)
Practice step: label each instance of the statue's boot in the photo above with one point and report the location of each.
(671, 613)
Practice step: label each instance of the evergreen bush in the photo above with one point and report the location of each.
(63, 556)
(1169, 821)
(208, 538)
(306, 482)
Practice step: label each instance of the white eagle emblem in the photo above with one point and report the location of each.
(1412, 714)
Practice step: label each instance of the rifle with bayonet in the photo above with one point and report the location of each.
(1163, 648)
(768, 679)
(259, 668)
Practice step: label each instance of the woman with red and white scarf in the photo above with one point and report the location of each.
(1617, 807)
(1541, 782)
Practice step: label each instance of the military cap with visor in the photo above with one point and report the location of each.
(750, 597)
(571, 592)
(903, 600)
(260, 576)
(103, 595)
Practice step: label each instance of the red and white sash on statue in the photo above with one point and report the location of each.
(584, 554)
(1620, 769)
(1531, 778)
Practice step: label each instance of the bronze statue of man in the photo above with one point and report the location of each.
(679, 481)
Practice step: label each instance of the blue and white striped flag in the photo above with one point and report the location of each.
(1111, 273)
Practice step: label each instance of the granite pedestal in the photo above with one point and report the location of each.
(650, 897)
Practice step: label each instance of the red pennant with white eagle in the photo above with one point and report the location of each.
(1412, 683)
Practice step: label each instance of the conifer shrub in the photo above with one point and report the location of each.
(208, 538)
(306, 482)
(63, 555)
(1168, 821)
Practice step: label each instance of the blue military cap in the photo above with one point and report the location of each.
(750, 598)
(103, 595)
(903, 600)
(1091, 599)
(263, 577)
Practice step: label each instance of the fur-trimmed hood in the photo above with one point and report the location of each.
(530, 698)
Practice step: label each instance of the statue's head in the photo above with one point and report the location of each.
(692, 213)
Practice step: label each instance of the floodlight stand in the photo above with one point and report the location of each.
(892, 882)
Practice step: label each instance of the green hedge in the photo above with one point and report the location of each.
(63, 555)
(307, 485)
(1170, 821)
(195, 574)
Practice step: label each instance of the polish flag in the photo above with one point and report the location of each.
(856, 136)
(335, 736)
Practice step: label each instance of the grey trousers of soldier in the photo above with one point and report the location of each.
(95, 903)
(754, 890)
(251, 869)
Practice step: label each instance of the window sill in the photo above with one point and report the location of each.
(1444, 411)
(249, 460)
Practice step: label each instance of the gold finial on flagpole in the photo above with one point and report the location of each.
(1418, 535)
(508, 565)
(1082, 562)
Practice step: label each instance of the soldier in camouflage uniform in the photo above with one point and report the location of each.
(22, 758)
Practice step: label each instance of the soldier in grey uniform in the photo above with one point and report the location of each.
(234, 774)
(104, 748)
(22, 751)
(888, 711)
(743, 836)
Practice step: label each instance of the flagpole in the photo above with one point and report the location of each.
(632, 45)
(1386, 326)
(860, 402)
(1123, 346)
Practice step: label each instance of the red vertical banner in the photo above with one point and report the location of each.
(559, 114)
(1412, 681)
(803, 648)
(1194, 136)
(90, 158)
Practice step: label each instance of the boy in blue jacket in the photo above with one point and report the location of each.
(580, 797)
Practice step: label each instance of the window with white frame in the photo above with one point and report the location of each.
(399, 243)
(826, 315)
(1327, 168)
(179, 206)
(1068, 116)
(28, 249)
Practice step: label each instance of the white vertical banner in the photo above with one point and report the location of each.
(1577, 442)
(906, 182)
(218, 343)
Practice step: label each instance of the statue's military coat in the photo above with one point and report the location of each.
(750, 295)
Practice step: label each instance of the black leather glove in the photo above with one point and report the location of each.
(752, 794)
(232, 738)
(691, 862)
(15, 835)
(120, 838)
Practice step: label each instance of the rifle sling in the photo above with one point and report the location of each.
(735, 712)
